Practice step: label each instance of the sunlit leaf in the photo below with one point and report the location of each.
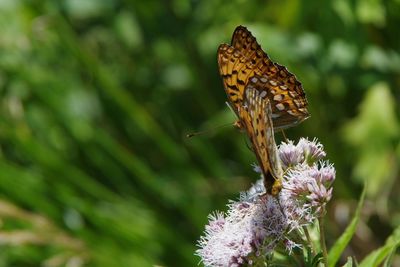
(376, 257)
(373, 132)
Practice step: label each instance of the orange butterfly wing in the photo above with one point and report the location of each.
(244, 64)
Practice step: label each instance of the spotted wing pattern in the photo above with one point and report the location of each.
(244, 64)
(256, 116)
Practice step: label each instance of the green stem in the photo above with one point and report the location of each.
(322, 240)
(308, 237)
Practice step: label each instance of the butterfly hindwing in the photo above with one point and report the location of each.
(288, 107)
(256, 116)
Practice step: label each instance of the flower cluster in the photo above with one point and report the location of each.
(256, 223)
(234, 239)
(307, 184)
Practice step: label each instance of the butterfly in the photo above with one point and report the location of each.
(244, 65)
(256, 116)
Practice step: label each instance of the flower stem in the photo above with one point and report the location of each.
(308, 237)
(322, 240)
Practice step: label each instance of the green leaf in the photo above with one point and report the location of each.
(376, 257)
(310, 260)
(317, 259)
(344, 239)
(389, 259)
(349, 262)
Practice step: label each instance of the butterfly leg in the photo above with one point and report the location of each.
(284, 136)
(238, 125)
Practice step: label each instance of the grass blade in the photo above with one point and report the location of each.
(337, 249)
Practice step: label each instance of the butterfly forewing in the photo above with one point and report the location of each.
(235, 70)
(246, 43)
(244, 64)
(256, 115)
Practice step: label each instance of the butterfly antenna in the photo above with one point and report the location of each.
(190, 135)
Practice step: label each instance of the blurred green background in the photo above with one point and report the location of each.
(97, 97)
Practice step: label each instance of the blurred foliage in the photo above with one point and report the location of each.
(97, 96)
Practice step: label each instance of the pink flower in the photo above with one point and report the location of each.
(257, 223)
